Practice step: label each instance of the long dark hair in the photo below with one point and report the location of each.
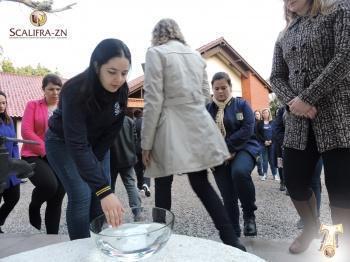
(7, 118)
(87, 80)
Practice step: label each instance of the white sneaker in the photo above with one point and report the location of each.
(146, 189)
(277, 177)
(142, 193)
(263, 178)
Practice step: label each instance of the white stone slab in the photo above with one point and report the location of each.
(179, 248)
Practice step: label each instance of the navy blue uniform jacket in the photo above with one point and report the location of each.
(239, 124)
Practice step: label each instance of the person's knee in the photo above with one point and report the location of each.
(240, 174)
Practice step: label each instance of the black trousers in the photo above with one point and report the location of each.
(10, 197)
(47, 189)
(205, 192)
(299, 167)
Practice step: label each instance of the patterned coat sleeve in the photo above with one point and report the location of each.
(339, 67)
(279, 76)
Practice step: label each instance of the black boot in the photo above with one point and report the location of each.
(228, 237)
(250, 227)
(307, 211)
(282, 186)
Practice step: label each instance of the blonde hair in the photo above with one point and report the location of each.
(165, 30)
(316, 7)
(262, 113)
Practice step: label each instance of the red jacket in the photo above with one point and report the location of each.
(34, 126)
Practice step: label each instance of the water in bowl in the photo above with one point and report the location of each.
(132, 241)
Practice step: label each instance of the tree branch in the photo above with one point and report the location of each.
(45, 6)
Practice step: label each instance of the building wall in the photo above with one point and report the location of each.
(214, 65)
(255, 92)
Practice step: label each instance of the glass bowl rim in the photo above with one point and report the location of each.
(138, 234)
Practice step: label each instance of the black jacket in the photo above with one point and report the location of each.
(123, 151)
(239, 125)
(278, 127)
(259, 130)
(88, 131)
(138, 127)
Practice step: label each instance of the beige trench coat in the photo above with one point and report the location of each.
(177, 127)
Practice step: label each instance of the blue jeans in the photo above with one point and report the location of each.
(237, 185)
(83, 205)
(229, 195)
(127, 175)
(268, 158)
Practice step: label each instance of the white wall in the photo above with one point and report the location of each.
(214, 65)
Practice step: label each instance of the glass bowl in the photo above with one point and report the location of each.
(144, 231)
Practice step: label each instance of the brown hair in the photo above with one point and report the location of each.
(219, 76)
(7, 118)
(268, 110)
(51, 78)
(259, 114)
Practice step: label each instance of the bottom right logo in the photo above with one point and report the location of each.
(329, 242)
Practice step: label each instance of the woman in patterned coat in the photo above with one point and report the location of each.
(311, 75)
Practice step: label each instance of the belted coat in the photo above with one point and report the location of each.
(177, 128)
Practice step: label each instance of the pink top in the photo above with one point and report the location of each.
(34, 126)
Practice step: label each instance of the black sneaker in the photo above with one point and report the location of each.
(146, 189)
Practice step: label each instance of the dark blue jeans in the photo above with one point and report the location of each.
(235, 182)
(83, 205)
(269, 158)
(259, 164)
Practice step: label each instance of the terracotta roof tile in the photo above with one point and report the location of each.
(21, 89)
(136, 83)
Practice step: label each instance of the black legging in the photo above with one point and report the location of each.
(11, 197)
(299, 167)
(47, 189)
(201, 186)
